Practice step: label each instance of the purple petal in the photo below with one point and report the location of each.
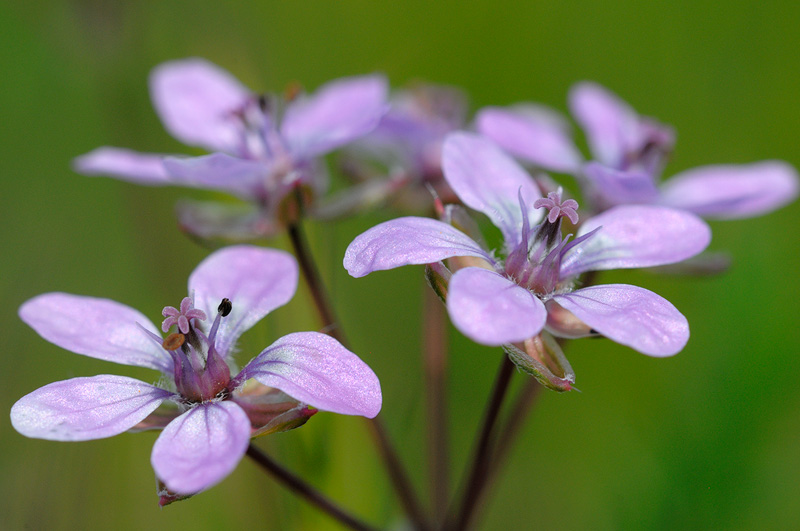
(733, 191)
(611, 125)
(338, 113)
(636, 236)
(491, 309)
(406, 241)
(124, 164)
(631, 316)
(617, 136)
(81, 409)
(201, 447)
(614, 187)
(488, 180)
(316, 369)
(256, 280)
(218, 171)
(99, 328)
(196, 101)
(539, 137)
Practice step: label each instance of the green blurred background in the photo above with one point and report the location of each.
(707, 439)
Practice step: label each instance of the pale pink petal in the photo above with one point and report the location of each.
(613, 187)
(733, 191)
(99, 328)
(196, 101)
(405, 241)
(534, 136)
(338, 113)
(611, 125)
(124, 164)
(491, 309)
(255, 279)
(631, 316)
(81, 409)
(218, 171)
(201, 447)
(317, 370)
(636, 236)
(490, 181)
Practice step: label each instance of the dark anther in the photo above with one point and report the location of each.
(263, 103)
(173, 341)
(225, 307)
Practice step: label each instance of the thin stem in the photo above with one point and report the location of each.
(507, 436)
(303, 489)
(480, 463)
(314, 281)
(397, 473)
(526, 398)
(435, 367)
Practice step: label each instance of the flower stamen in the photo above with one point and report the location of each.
(173, 341)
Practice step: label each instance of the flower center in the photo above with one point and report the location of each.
(536, 262)
(200, 372)
(260, 138)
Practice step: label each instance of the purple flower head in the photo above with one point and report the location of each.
(407, 146)
(412, 132)
(497, 302)
(629, 151)
(207, 416)
(262, 149)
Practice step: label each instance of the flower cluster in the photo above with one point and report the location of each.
(497, 302)
(414, 152)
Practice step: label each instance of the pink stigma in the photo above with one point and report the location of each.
(181, 317)
(557, 208)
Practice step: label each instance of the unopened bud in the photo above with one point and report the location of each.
(542, 358)
(438, 277)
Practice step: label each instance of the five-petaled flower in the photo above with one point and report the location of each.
(495, 302)
(261, 154)
(213, 415)
(629, 153)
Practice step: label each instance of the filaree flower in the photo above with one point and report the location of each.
(401, 159)
(213, 414)
(264, 146)
(629, 151)
(497, 302)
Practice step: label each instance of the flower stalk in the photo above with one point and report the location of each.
(479, 469)
(397, 473)
(304, 490)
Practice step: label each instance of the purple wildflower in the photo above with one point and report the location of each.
(629, 153)
(213, 415)
(406, 145)
(495, 302)
(260, 153)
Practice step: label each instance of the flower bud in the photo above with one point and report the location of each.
(438, 277)
(542, 358)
